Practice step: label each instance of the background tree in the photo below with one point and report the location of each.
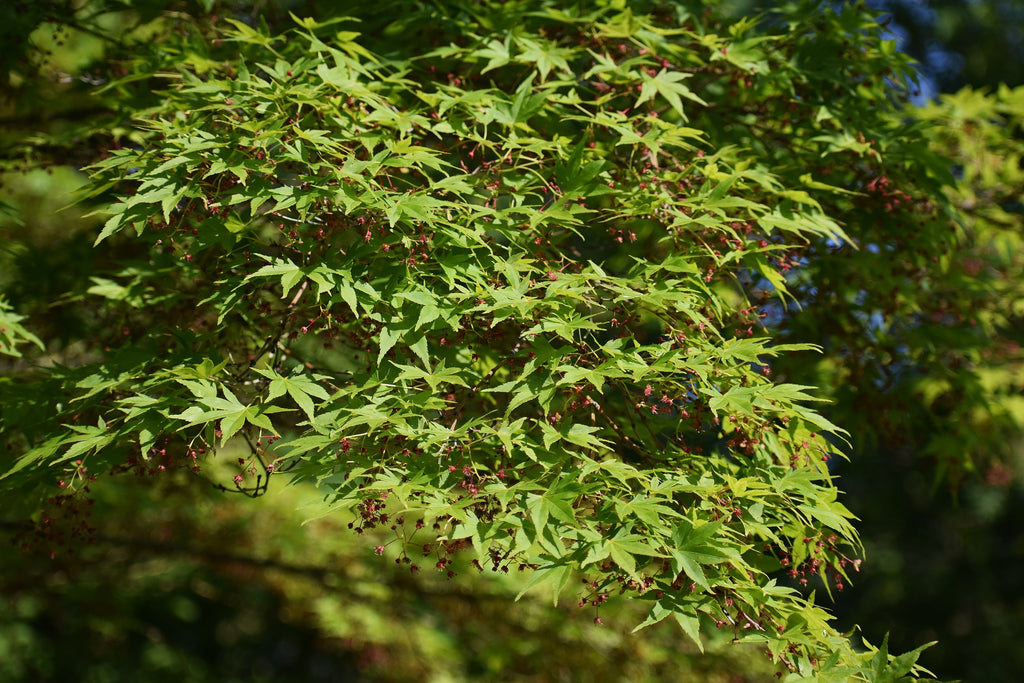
(513, 278)
(923, 536)
(955, 540)
(959, 44)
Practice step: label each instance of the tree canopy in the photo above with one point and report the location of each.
(598, 294)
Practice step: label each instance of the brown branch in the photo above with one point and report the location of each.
(206, 554)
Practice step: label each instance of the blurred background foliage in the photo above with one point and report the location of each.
(945, 557)
(977, 43)
(184, 582)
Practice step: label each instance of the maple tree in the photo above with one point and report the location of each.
(528, 288)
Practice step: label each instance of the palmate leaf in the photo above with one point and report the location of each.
(300, 387)
(669, 85)
(558, 575)
(544, 54)
(689, 623)
(227, 409)
(497, 53)
(290, 273)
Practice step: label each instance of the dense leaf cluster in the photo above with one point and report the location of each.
(519, 293)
